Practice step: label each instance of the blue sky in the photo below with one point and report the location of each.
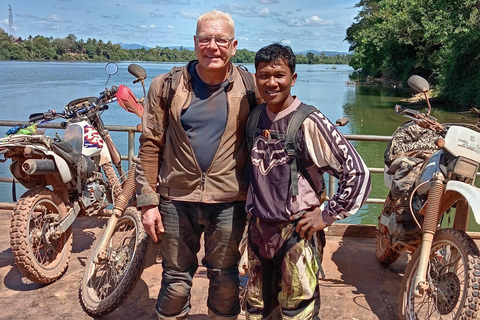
(302, 24)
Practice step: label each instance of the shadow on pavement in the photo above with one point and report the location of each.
(375, 287)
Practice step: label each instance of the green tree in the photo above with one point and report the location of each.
(399, 38)
(460, 79)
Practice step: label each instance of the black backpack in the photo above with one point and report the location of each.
(300, 114)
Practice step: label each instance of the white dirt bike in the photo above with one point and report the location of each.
(442, 279)
(71, 175)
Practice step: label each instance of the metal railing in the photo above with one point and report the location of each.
(131, 130)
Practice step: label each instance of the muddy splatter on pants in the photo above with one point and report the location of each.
(283, 274)
(222, 225)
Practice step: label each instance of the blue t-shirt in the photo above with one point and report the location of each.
(205, 119)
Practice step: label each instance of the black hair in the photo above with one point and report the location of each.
(276, 51)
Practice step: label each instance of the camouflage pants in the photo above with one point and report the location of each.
(285, 285)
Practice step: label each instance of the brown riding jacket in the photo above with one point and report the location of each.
(166, 163)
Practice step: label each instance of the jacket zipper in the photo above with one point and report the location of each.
(202, 181)
(203, 174)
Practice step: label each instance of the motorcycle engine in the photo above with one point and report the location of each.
(94, 195)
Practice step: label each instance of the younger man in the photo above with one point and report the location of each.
(283, 259)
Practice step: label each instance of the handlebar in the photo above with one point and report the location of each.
(423, 120)
(79, 107)
(49, 115)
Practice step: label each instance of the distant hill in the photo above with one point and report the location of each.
(327, 53)
(178, 48)
(133, 46)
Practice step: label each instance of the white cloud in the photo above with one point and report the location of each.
(293, 23)
(316, 21)
(189, 15)
(170, 27)
(150, 26)
(161, 15)
(265, 12)
(111, 17)
(236, 9)
(267, 1)
(245, 11)
(313, 21)
(55, 18)
(170, 2)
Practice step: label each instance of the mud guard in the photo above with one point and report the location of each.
(471, 194)
(62, 166)
(126, 99)
(105, 156)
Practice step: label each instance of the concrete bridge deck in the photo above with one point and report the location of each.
(356, 286)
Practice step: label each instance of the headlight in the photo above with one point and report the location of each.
(463, 167)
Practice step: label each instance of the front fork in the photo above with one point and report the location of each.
(430, 224)
(120, 204)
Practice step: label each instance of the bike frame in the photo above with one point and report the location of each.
(441, 197)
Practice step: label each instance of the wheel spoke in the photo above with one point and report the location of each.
(100, 281)
(45, 249)
(451, 266)
(109, 273)
(45, 257)
(106, 284)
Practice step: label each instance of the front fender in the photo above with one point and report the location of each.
(470, 193)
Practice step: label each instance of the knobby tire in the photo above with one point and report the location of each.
(106, 285)
(41, 258)
(454, 274)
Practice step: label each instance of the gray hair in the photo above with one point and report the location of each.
(216, 15)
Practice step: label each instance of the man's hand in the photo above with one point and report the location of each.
(310, 223)
(152, 222)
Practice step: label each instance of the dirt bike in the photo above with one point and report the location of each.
(117, 258)
(71, 175)
(442, 278)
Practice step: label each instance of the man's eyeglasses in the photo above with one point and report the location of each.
(221, 42)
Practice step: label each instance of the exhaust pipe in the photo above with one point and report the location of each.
(39, 166)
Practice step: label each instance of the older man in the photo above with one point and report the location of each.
(193, 154)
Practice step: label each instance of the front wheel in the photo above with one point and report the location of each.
(453, 278)
(40, 252)
(107, 283)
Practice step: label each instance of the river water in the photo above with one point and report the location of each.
(30, 87)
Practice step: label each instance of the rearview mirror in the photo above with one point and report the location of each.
(418, 84)
(111, 68)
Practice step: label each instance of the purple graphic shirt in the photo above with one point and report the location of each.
(322, 149)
